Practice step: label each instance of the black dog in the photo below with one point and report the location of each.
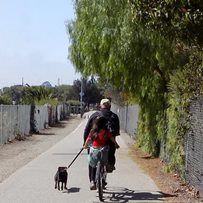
(61, 177)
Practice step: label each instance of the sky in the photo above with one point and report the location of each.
(34, 42)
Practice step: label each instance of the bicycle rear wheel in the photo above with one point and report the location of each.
(99, 181)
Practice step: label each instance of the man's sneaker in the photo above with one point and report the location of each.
(92, 186)
(104, 183)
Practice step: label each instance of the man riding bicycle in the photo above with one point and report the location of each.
(98, 137)
(113, 126)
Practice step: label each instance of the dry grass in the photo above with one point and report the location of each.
(170, 184)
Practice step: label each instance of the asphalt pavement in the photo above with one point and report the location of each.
(34, 183)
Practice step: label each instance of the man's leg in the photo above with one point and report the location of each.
(90, 173)
(111, 157)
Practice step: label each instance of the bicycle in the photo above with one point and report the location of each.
(101, 172)
(99, 158)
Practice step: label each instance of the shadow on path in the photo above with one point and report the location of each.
(68, 154)
(59, 125)
(122, 195)
(45, 133)
(72, 190)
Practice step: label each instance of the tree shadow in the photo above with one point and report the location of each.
(58, 125)
(68, 154)
(122, 195)
(72, 190)
(147, 157)
(44, 133)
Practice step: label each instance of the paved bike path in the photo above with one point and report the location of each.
(34, 182)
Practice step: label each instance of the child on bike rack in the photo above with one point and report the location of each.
(97, 139)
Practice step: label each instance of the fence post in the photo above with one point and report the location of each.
(10, 125)
(126, 117)
(1, 111)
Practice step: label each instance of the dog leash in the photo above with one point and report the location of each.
(75, 157)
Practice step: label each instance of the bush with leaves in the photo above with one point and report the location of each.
(5, 100)
(185, 85)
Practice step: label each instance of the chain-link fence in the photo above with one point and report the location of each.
(128, 116)
(194, 146)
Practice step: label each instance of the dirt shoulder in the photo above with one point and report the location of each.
(18, 153)
(170, 184)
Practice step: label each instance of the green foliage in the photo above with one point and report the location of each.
(13, 93)
(151, 126)
(51, 101)
(117, 96)
(64, 93)
(92, 92)
(73, 102)
(142, 49)
(34, 94)
(185, 85)
(177, 20)
(123, 50)
(5, 100)
(53, 95)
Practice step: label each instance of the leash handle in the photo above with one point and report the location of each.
(75, 157)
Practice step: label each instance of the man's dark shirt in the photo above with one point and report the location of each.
(109, 115)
